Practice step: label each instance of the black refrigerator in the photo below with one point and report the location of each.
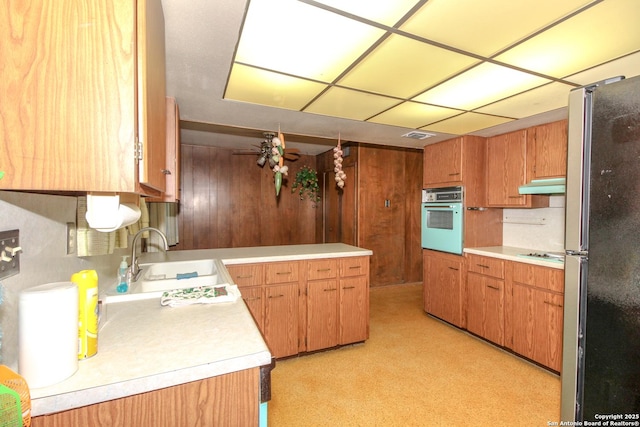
(601, 341)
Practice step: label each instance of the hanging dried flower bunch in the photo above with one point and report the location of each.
(277, 157)
(337, 162)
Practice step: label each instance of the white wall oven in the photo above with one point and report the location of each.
(442, 225)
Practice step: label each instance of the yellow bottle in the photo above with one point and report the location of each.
(87, 282)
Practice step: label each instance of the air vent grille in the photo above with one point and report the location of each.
(418, 135)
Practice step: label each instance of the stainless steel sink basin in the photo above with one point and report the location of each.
(166, 276)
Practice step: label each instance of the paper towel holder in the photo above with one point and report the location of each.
(109, 212)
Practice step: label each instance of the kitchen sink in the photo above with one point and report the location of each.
(165, 276)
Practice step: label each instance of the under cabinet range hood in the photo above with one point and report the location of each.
(544, 186)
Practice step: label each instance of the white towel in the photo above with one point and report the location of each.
(200, 295)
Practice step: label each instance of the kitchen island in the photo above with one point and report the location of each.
(147, 353)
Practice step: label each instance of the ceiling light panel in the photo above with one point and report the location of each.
(479, 86)
(466, 123)
(349, 104)
(536, 101)
(602, 33)
(413, 115)
(258, 86)
(628, 66)
(488, 26)
(403, 67)
(303, 40)
(386, 12)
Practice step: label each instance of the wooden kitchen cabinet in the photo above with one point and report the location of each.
(455, 162)
(534, 326)
(171, 192)
(87, 82)
(443, 295)
(508, 167)
(322, 304)
(548, 145)
(250, 281)
(485, 297)
(354, 299)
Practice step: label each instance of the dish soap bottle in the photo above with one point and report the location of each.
(123, 276)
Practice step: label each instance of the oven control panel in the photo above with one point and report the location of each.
(442, 195)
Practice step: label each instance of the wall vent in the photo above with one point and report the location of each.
(418, 135)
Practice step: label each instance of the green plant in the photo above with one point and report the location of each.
(307, 180)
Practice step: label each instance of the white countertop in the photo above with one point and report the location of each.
(144, 346)
(512, 254)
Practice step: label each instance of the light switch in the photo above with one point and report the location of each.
(9, 253)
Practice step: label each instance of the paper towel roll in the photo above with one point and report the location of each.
(106, 213)
(48, 333)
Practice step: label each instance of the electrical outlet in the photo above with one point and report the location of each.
(9, 253)
(71, 238)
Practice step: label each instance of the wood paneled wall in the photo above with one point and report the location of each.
(229, 201)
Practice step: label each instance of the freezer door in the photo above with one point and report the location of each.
(575, 284)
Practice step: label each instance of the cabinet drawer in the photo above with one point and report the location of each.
(247, 274)
(354, 266)
(539, 276)
(281, 272)
(488, 266)
(322, 269)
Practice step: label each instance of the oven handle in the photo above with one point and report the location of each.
(447, 207)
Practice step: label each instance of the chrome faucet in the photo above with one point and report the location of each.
(135, 269)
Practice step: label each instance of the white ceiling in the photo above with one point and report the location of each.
(201, 42)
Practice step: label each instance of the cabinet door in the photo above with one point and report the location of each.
(281, 319)
(549, 143)
(506, 169)
(523, 320)
(252, 297)
(281, 272)
(443, 163)
(548, 329)
(354, 309)
(443, 288)
(322, 314)
(485, 307)
(246, 274)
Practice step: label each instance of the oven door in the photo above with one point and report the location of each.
(442, 227)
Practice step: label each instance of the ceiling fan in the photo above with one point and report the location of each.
(264, 151)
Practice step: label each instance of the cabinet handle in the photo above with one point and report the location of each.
(276, 296)
(248, 276)
(323, 269)
(555, 305)
(454, 174)
(482, 266)
(355, 266)
(252, 298)
(515, 197)
(493, 287)
(283, 272)
(166, 171)
(453, 268)
(348, 287)
(330, 289)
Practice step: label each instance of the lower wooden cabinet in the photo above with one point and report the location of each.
(303, 306)
(485, 307)
(443, 286)
(534, 328)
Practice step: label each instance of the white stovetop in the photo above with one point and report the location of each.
(511, 253)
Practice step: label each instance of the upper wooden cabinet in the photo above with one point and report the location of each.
(458, 161)
(508, 167)
(548, 145)
(86, 81)
(172, 169)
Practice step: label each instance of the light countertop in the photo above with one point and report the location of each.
(144, 346)
(512, 254)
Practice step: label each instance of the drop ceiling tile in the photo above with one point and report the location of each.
(479, 86)
(403, 67)
(413, 115)
(629, 66)
(349, 104)
(488, 26)
(385, 12)
(604, 32)
(536, 101)
(258, 86)
(302, 40)
(466, 123)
